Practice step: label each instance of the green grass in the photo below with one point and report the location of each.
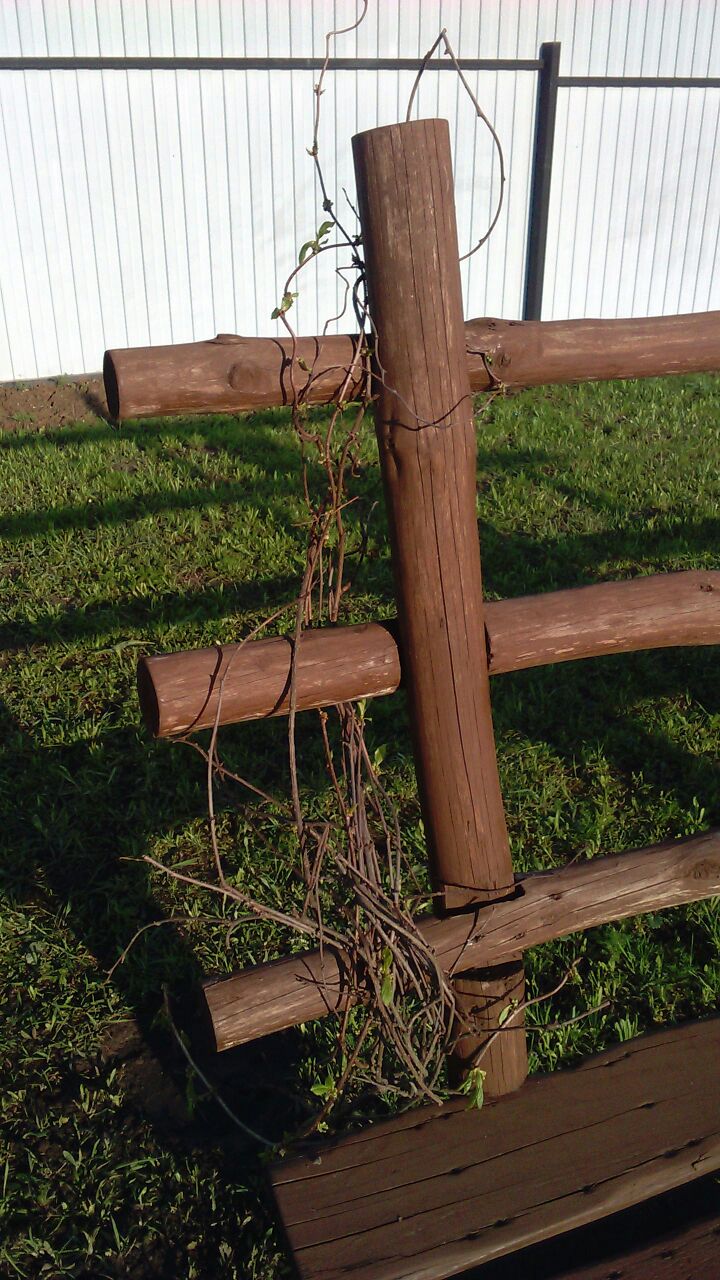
(172, 535)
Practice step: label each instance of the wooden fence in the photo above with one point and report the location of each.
(436, 1191)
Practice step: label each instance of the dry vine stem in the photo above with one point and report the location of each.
(352, 862)
(442, 39)
(411, 1007)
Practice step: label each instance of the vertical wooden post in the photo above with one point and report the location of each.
(426, 438)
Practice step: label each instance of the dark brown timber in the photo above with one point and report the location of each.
(439, 1190)
(685, 1246)
(231, 373)
(180, 691)
(426, 440)
(546, 905)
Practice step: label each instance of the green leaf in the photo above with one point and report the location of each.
(325, 1088)
(505, 1013)
(285, 305)
(473, 1087)
(310, 246)
(388, 988)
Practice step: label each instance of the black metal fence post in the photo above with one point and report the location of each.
(542, 174)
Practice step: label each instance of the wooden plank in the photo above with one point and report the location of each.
(546, 905)
(426, 442)
(675, 1236)
(230, 373)
(442, 1189)
(691, 1254)
(179, 692)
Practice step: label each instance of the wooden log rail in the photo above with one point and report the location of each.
(232, 374)
(550, 904)
(179, 691)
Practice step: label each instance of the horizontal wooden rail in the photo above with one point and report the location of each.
(179, 691)
(547, 905)
(232, 374)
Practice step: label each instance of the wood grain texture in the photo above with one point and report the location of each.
(673, 1236)
(231, 373)
(439, 1190)
(426, 441)
(482, 994)
(546, 905)
(179, 691)
(692, 1253)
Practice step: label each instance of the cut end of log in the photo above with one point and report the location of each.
(211, 1020)
(112, 392)
(148, 699)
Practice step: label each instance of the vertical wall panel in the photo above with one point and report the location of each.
(706, 285)
(78, 241)
(148, 204)
(121, 171)
(83, 30)
(266, 255)
(9, 32)
(191, 169)
(24, 224)
(18, 344)
(212, 176)
(5, 351)
(31, 28)
(104, 211)
(172, 204)
(241, 205)
(630, 229)
(164, 205)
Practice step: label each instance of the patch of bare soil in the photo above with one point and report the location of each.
(51, 403)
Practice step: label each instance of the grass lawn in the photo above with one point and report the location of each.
(116, 1161)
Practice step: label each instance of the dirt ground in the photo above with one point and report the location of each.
(51, 403)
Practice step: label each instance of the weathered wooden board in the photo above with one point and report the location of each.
(442, 1189)
(693, 1254)
(675, 1236)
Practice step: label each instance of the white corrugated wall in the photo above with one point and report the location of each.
(153, 206)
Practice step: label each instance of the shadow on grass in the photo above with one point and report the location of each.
(109, 618)
(579, 706)
(244, 441)
(84, 824)
(87, 813)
